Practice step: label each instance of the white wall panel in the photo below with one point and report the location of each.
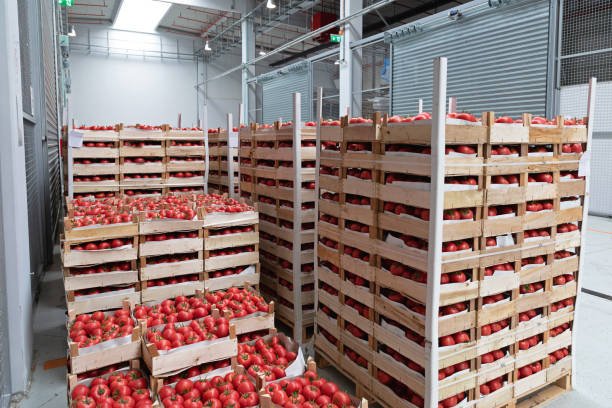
(113, 89)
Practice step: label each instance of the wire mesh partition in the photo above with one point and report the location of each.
(585, 52)
(373, 96)
(326, 74)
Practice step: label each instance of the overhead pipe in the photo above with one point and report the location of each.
(301, 38)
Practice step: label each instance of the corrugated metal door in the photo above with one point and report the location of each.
(278, 94)
(497, 58)
(51, 151)
(52, 132)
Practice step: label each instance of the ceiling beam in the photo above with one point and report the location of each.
(223, 5)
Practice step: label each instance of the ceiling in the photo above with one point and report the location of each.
(291, 19)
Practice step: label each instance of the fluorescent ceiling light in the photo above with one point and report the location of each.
(72, 32)
(262, 52)
(270, 4)
(207, 47)
(140, 15)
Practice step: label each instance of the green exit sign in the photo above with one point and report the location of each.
(335, 38)
(66, 3)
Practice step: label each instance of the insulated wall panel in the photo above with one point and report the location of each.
(497, 58)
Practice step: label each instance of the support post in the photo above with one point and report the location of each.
(206, 149)
(230, 157)
(452, 104)
(436, 208)
(319, 119)
(297, 217)
(247, 32)
(350, 62)
(586, 165)
(420, 105)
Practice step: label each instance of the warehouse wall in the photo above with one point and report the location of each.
(118, 76)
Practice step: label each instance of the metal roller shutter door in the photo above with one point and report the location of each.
(497, 58)
(52, 185)
(278, 95)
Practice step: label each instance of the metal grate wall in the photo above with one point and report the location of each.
(497, 58)
(585, 52)
(278, 92)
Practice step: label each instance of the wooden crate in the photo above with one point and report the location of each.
(125, 349)
(102, 301)
(74, 281)
(188, 356)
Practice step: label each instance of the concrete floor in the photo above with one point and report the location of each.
(592, 387)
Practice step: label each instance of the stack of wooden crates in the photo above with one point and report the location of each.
(272, 177)
(513, 208)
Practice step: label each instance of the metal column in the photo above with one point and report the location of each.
(350, 62)
(15, 294)
(247, 31)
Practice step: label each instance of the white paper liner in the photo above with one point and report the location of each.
(453, 315)
(402, 306)
(502, 216)
(397, 242)
(530, 266)
(459, 187)
(498, 273)
(455, 221)
(494, 393)
(504, 240)
(504, 330)
(566, 358)
(94, 226)
(534, 239)
(406, 154)
(531, 321)
(505, 300)
(564, 205)
(463, 251)
(248, 271)
(105, 250)
(457, 154)
(540, 154)
(502, 186)
(105, 294)
(414, 185)
(456, 373)
(357, 178)
(538, 212)
(505, 155)
(568, 179)
(532, 293)
(393, 329)
(173, 285)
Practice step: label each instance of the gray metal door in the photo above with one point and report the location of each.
(497, 58)
(278, 89)
(52, 176)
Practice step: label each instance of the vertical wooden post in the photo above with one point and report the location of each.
(436, 208)
(319, 119)
(586, 156)
(297, 219)
(452, 104)
(206, 152)
(70, 160)
(230, 157)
